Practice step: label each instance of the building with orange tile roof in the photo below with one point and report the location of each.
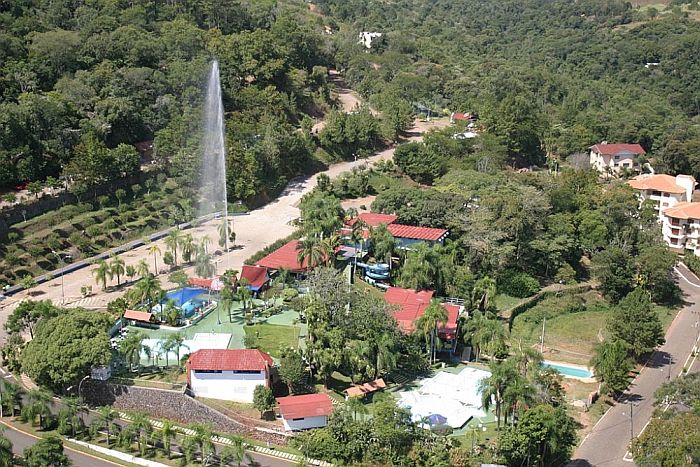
(665, 191)
(680, 227)
(613, 158)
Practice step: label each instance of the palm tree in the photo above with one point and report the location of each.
(234, 452)
(7, 458)
(105, 419)
(187, 247)
(482, 293)
(155, 251)
(357, 237)
(142, 268)
(12, 395)
(489, 338)
(428, 323)
(328, 247)
(527, 360)
(176, 342)
(309, 250)
(383, 244)
(148, 290)
(69, 416)
(223, 230)
(356, 406)
(38, 404)
(494, 387)
(167, 433)
(143, 428)
(130, 272)
(245, 296)
(205, 243)
(131, 348)
(203, 266)
(386, 356)
(202, 436)
(102, 273)
(172, 241)
(116, 268)
(519, 392)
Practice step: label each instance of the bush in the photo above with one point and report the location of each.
(565, 274)
(289, 294)
(693, 263)
(518, 284)
(93, 231)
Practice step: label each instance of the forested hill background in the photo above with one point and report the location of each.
(81, 82)
(552, 76)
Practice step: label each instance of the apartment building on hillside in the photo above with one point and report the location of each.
(665, 191)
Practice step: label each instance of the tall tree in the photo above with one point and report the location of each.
(46, 451)
(173, 241)
(635, 322)
(612, 365)
(116, 268)
(7, 458)
(433, 317)
(493, 388)
(103, 273)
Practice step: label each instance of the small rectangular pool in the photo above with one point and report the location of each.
(568, 370)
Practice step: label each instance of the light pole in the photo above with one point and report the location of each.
(63, 290)
(668, 376)
(631, 415)
(80, 385)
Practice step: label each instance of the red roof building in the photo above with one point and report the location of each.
(228, 374)
(134, 315)
(199, 282)
(367, 388)
(612, 149)
(229, 360)
(304, 412)
(285, 257)
(255, 275)
(374, 219)
(412, 304)
(417, 233)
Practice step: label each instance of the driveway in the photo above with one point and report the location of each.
(607, 444)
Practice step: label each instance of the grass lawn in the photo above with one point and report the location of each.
(505, 302)
(272, 338)
(575, 324)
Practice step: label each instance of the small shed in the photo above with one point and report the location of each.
(362, 390)
(136, 317)
(304, 412)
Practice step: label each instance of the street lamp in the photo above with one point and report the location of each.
(63, 290)
(80, 385)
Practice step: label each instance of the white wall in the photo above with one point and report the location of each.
(305, 423)
(226, 385)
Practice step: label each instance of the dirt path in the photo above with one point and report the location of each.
(254, 231)
(349, 100)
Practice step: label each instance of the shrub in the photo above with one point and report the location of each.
(565, 274)
(12, 237)
(289, 294)
(518, 284)
(35, 250)
(93, 231)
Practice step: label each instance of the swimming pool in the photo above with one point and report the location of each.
(182, 296)
(569, 371)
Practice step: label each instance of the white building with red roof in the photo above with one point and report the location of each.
(228, 374)
(665, 191)
(305, 412)
(613, 158)
(680, 226)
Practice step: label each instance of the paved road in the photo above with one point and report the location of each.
(21, 440)
(607, 444)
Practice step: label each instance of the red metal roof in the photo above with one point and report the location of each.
(229, 360)
(138, 315)
(362, 389)
(374, 218)
(416, 233)
(461, 116)
(285, 257)
(612, 149)
(308, 405)
(199, 282)
(255, 275)
(413, 304)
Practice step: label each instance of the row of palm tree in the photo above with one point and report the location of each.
(133, 346)
(106, 271)
(198, 440)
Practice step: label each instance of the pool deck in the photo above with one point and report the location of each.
(233, 326)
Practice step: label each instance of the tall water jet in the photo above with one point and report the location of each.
(213, 173)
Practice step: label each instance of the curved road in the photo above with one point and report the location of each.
(607, 444)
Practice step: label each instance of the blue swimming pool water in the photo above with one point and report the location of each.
(182, 296)
(567, 370)
(188, 308)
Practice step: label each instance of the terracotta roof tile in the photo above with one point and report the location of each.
(612, 149)
(374, 218)
(138, 315)
(416, 233)
(308, 405)
(285, 257)
(683, 211)
(659, 182)
(229, 360)
(255, 275)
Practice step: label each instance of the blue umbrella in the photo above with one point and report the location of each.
(437, 419)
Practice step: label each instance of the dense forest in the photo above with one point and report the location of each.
(82, 82)
(548, 78)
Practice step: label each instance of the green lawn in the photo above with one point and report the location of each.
(574, 325)
(272, 338)
(505, 302)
